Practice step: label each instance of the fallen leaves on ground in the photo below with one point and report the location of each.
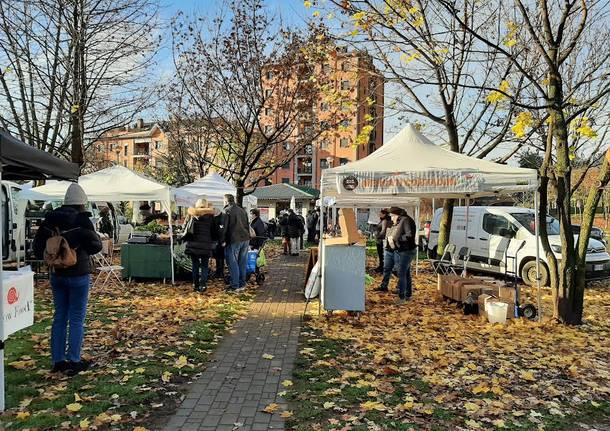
(271, 408)
(426, 364)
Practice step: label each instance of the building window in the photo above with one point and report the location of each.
(268, 111)
(268, 92)
(285, 180)
(158, 145)
(324, 106)
(326, 68)
(343, 161)
(286, 146)
(269, 74)
(125, 149)
(125, 163)
(345, 85)
(345, 66)
(345, 123)
(344, 143)
(286, 165)
(324, 144)
(323, 164)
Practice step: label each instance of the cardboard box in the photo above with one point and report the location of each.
(481, 300)
(456, 292)
(349, 230)
(445, 283)
(507, 293)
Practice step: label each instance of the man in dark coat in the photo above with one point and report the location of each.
(295, 230)
(201, 235)
(283, 223)
(312, 226)
(385, 222)
(70, 285)
(259, 228)
(237, 240)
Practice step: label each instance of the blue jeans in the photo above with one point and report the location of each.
(402, 259)
(200, 270)
(390, 258)
(405, 282)
(70, 295)
(237, 259)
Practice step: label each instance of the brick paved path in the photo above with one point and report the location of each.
(238, 383)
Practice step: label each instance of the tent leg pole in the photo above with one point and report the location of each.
(171, 234)
(417, 237)
(321, 250)
(537, 227)
(2, 406)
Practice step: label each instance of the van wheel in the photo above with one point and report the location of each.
(432, 254)
(528, 273)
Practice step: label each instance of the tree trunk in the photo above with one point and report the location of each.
(588, 217)
(239, 197)
(77, 108)
(444, 228)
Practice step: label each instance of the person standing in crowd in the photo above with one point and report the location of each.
(312, 226)
(271, 228)
(385, 222)
(106, 226)
(400, 249)
(70, 285)
(259, 228)
(302, 220)
(237, 239)
(283, 223)
(219, 249)
(295, 231)
(201, 235)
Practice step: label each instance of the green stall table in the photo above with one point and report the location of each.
(146, 261)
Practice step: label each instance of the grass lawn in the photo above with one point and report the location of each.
(147, 341)
(426, 366)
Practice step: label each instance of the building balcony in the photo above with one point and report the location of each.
(304, 170)
(141, 153)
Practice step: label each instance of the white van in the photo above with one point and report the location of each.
(494, 232)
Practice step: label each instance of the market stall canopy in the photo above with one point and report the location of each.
(114, 184)
(24, 162)
(410, 165)
(212, 187)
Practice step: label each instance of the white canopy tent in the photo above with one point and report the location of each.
(409, 167)
(212, 187)
(114, 184)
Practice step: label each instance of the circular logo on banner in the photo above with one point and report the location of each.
(350, 183)
(12, 296)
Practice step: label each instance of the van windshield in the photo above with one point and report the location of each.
(527, 220)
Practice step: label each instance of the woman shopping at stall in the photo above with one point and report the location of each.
(201, 234)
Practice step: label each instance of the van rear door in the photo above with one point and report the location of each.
(492, 244)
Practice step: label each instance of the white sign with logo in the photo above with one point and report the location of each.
(18, 297)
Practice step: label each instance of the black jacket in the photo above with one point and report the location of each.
(382, 228)
(402, 234)
(260, 229)
(236, 226)
(295, 226)
(202, 240)
(284, 226)
(312, 221)
(77, 229)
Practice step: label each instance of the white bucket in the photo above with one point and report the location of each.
(496, 312)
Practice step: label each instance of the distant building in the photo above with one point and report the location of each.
(355, 74)
(136, 146)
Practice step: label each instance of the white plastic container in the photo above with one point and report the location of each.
(496, 312)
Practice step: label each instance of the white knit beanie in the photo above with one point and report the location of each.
(75, 195)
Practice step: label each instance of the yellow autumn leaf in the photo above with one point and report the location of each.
(166, 376)
(25, 402)
(140, 370)
(170, 354)
(74, 407)
(271, 408)
(471, 407)
(287, 383)
(528, 376)
(181, 362)
(499, 423)
(23, 415)
(84, 424)
(328, 405)
(286, 414)
(268, 356)
(332, 391)
(103, 418)
(373, 405)
(595, 404)
(480, 389)
(473, 424)
(307, 4)
(139, 429)
(115, 417)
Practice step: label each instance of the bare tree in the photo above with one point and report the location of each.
(73, 69)
(254, 85)
(561, 51)
(436, 68)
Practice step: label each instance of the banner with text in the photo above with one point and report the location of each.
(18, 297)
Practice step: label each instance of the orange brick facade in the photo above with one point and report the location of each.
(345, 71)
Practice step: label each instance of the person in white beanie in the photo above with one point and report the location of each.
(70, 285)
